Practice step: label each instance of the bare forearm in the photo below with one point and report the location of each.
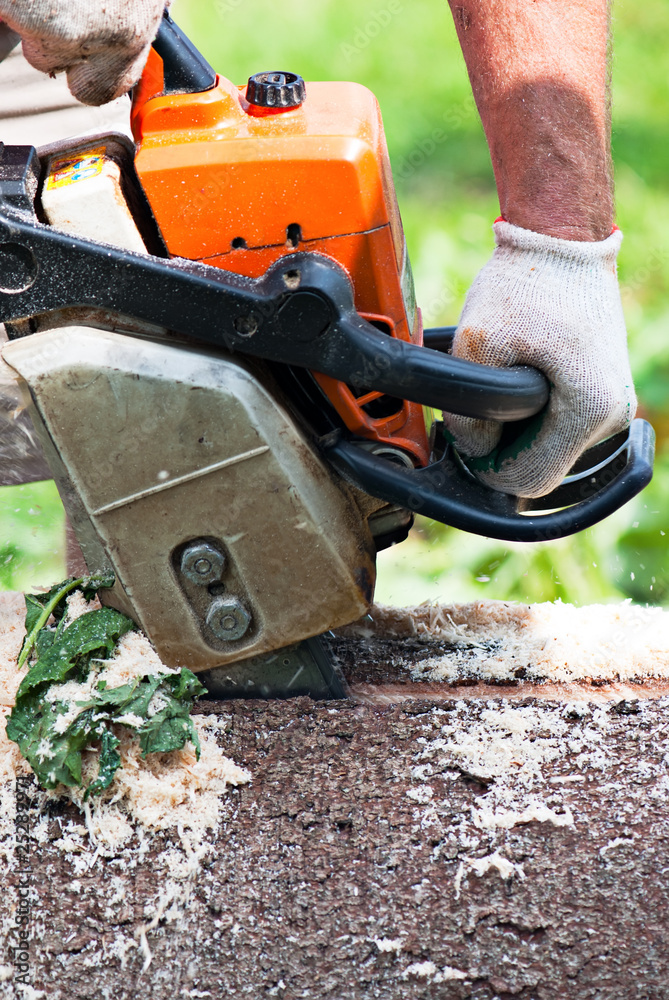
(539, 72)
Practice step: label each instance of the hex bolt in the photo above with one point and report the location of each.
(228, 619)
(201, 563)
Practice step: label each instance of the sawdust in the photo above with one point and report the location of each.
(523, 758)
(428, 970)
(495, 862)
(389, 945)
(526, 761)
(165, 791)
(77, 605)
(134, 658)
(508, 750)
(498, 641)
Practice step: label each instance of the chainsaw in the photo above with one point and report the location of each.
(216, 335)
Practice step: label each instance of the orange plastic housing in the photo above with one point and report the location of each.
(239, 189)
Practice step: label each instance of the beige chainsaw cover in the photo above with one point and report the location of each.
(159, 447)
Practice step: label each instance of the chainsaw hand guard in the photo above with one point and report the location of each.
(446, 491)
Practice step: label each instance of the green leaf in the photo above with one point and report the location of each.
(35, 611)
(90, 585)
(55, 758)
(186, 685)
(21, 720)
(44, 641)
(171, 727)
(171, 733)
(136, 701)
(109, 763)
(35, 604)
(67, 653)
(96, 632)
(40, 607)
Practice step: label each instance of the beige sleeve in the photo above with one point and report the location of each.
(36, 110)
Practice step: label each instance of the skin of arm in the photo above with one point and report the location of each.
(539, 70)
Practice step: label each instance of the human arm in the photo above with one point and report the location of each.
(549, 296)
(540, 76)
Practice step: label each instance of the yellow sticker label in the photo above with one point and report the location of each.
(70, 169)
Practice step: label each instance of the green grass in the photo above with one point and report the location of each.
(32, 536)
(407, 53)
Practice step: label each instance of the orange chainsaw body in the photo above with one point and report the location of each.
(238, 187)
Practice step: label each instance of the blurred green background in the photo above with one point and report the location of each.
(407, 53)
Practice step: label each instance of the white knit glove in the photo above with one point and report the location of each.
(102, 45)
(553, 304)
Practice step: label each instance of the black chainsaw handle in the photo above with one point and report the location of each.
(318, 327)
(439, 380)
(448, 492)
(185, 70)
(439, 338)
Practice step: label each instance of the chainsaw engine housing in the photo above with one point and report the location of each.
(239, 187)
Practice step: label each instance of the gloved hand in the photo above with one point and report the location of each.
(102, 45)
(553, 304)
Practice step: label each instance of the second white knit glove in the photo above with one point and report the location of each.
(553, 304)
(102, 45)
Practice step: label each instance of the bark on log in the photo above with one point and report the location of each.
(337, 873)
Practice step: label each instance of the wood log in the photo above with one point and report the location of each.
(483, 846)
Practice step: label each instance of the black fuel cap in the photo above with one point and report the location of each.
(276, 90)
